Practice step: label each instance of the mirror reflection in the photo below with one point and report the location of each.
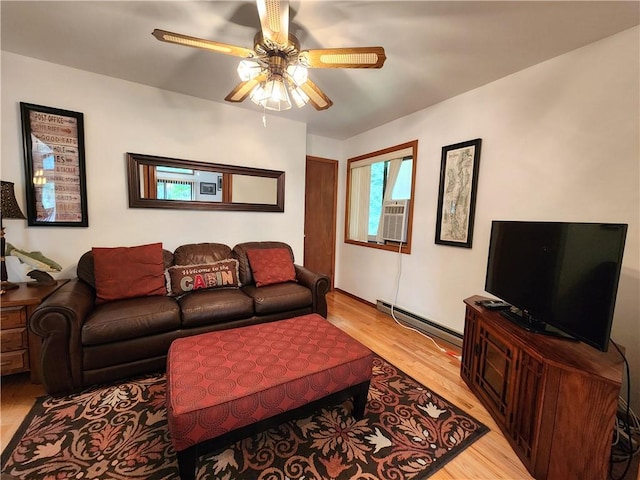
(158, 182)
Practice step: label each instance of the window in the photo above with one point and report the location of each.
(372, 180)
(379, 181)
(175, 189)
(172, 184)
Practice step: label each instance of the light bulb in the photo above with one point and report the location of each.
(277, 97)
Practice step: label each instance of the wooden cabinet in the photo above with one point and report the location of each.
(18, 350)
(555, 400)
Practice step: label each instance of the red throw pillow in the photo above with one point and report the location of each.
(127, 272)
(271, 265)
(185, 278)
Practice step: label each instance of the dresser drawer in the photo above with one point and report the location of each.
(13, 362)
(14, 339)
(13, 317)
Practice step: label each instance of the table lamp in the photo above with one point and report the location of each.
(8, 209)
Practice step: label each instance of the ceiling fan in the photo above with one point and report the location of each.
(275, 70)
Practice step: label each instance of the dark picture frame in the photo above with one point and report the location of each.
(56, 187)
(207, 188)
(459, 168)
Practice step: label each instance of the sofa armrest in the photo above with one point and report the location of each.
(58, 321)
(319, 285)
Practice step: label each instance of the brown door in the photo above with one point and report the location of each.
(321, 197)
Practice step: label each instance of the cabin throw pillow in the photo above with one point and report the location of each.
(182, 279)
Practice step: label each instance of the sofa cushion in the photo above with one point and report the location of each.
(206, 307)
(130, 318)
(186, 278)
(127, 272)
(85, 269)
(279, 297)
(271, 265)
(200, 253)
(240, 252)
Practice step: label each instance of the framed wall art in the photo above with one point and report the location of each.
(207, 188)
(457, 195)
(55, 166)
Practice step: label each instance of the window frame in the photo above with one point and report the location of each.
(384, 154)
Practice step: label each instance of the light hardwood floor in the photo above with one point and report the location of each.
(490, 457)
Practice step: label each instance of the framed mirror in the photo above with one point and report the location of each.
(159, 182)
(380, 193)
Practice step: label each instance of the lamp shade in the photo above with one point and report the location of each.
(9, 206)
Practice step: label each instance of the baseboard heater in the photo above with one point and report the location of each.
(422, 324)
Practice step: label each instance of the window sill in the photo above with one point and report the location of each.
(391, 247)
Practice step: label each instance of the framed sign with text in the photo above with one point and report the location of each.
(55, 166)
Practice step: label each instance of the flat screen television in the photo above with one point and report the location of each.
(561, 278)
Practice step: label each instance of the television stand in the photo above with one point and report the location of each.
(555, 401)
(536, 326)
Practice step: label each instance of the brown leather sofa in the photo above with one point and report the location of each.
(85, 343)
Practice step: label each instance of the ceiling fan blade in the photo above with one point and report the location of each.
(180, 39)
(274, 20)
(356, 57)
(317, 98)
(243, 89)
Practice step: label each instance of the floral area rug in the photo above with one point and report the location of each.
(120, 432)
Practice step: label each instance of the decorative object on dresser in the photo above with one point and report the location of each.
(40, 278)
(8, 209)
(20, 350)
(36, 260)
(554, 399)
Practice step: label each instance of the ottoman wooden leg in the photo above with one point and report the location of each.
(360, 399)
(187, 463)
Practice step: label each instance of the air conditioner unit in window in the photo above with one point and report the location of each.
(394, 220)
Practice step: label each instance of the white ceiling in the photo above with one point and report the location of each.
(435, 50)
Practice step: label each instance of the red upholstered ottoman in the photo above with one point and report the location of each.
(226, 385)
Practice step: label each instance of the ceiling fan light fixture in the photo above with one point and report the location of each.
(274, 72)
(272, 94)
(299, 97)
(258, 94)
(248, 70)
(298, 74)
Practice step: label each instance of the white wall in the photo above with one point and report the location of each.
(323, 147)
(122, 117)
(560, 143)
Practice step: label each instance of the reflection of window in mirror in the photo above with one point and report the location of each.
(173, 183)
(380, 186)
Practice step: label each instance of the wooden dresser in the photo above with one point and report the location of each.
(555, 400)
(19, 350)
